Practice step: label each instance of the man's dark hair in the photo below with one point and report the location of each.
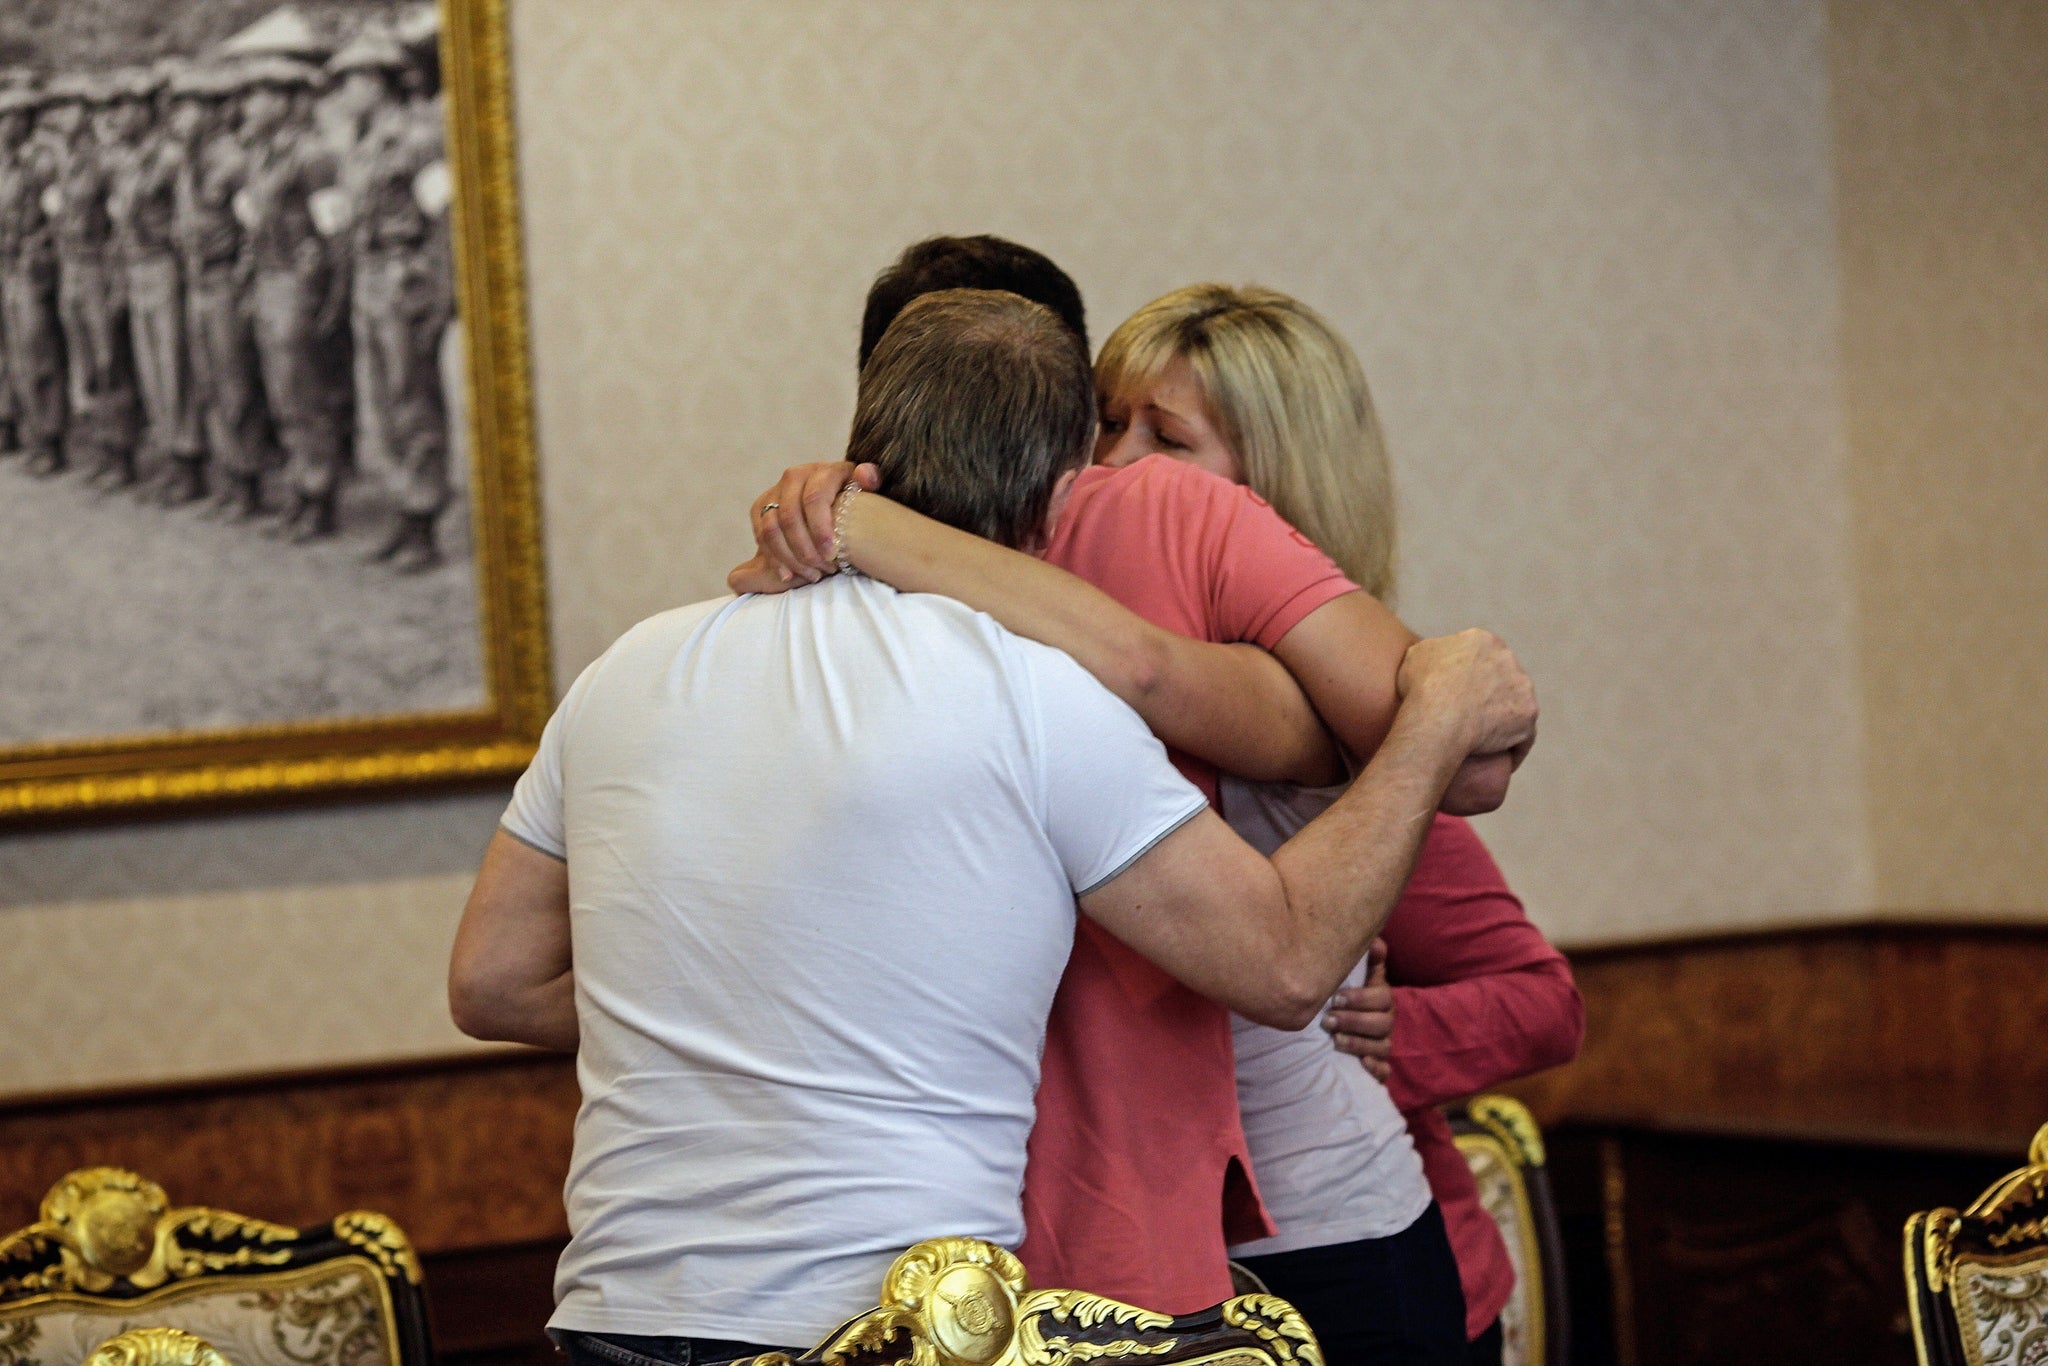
(969, 263)
(974, 404)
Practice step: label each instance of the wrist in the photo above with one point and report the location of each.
(842, 515)
(1434, 732)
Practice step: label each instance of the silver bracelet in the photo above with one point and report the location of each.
(839, 529)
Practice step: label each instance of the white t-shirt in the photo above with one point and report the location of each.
(1333, 1157)
(823, 851)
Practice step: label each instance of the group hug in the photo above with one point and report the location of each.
(1055, 840)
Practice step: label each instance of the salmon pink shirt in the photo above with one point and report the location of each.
(1137, 1177)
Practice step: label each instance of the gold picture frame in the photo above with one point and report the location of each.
(78, 777)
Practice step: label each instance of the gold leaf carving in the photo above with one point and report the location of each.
(155, 1347)
(106, 1224)
(912, 1275)
(1508, 1120)
(885, 1334)
(1083, 1312)
(382, 1240)
(2020, 1233)
(1274, 1322)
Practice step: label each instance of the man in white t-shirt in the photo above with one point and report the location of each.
(815, 860)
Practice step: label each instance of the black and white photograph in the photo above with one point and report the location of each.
(234, 464)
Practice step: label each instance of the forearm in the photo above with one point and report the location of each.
(1343, 872)
(1461, 1037)
(1345, 655)
(543, 1015)
(1234, 706)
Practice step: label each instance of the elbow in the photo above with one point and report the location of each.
(1572, 1011)
(1142, 666)
(468, 1011)
(475, 1006)
(1568, 1010)
(1292, 1000)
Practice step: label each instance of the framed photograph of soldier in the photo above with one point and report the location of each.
(268, 516)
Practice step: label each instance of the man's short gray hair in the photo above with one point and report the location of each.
(974, 403)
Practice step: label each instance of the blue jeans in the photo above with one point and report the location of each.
(632, 1349)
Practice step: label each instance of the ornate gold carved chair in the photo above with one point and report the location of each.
(1977, 1282)
(963, 1302)
(109, 1255)
(1503, 1147)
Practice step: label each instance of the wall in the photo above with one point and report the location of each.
(1940, 122)
(1589, 256)
(1587, 253)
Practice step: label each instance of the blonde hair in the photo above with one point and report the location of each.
(1287, 393)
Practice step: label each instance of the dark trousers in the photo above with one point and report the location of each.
(1380, 1300)
(632, 1349)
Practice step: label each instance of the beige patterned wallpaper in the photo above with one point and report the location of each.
(1588, 253)
(1941, 116)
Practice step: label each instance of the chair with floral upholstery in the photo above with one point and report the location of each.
(964, 1302)
(1503, 1147)
(1977, 1282)
(109, 1254)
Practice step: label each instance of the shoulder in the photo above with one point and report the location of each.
(1156, 480)
(1203, 506)
(673, 624)
(1034, 674)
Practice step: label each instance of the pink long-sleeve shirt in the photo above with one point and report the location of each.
(1480, 997)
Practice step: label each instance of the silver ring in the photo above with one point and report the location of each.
(770, 507)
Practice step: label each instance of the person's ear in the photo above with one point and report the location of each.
(1062, 489)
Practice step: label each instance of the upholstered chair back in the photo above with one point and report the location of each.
(1503, 1147)
(110, 1255)
(1977, 1281)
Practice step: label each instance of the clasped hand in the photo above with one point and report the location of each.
(793, 534)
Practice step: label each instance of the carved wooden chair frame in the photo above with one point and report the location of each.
(2006, 1229)
(1503, 1128)
(108, 1237)
(964, 1302)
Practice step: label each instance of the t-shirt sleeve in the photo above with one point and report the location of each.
(1110, 792)
(1263, 575)
(536, 816)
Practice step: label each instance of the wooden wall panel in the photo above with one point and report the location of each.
(463, 1154)
(1683, 1250)
(1911, 1036)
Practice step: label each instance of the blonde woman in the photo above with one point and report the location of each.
(1257, 388)
(1252, 388)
